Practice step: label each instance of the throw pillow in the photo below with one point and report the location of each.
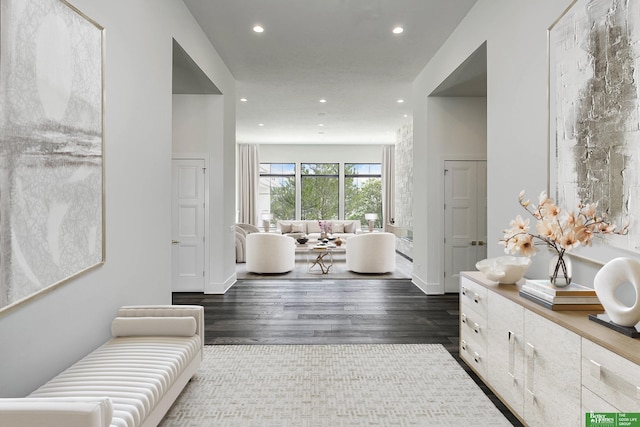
(349, 227)
(337, 227)
(297, 228)
(285, 227)
(153, 326)
(314, 227)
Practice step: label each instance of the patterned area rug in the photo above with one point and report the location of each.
(332, 385)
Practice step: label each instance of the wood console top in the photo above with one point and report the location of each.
(575, 321)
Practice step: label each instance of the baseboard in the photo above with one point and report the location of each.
(404, 255)
(427, 288)
(221, 288)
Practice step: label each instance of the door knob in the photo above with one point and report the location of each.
(480, 242)
(175, 242)
(473, 243)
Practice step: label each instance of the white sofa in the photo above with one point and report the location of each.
(372, 253)
(311, 228)
(130, 381)
(269, 253)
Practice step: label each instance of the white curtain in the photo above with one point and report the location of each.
(249, 176)
(388, 183)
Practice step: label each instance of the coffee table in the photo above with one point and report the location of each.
(320, 256)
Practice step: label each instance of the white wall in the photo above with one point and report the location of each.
(42, 337)
(516, 36)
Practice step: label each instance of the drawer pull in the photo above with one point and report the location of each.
(463, 345)
(531, 351)
(476, 298)
(476, 328)
(595, 369)
(531, 397)
(512, 357)
(616, 381)
(464, 290)
(476, 357)
(463, 318)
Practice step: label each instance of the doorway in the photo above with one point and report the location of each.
(465, 218)
(188, 225)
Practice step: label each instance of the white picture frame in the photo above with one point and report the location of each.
(51, 147)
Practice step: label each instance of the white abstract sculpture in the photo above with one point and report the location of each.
(610, 277)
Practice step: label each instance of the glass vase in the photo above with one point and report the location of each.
(560, 271)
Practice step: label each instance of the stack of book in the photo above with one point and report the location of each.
(572, 297)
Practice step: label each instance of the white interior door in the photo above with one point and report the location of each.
(465, 219)
(188, 225)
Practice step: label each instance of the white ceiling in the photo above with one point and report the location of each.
(339, 50)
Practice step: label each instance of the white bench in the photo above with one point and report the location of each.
(130, 381)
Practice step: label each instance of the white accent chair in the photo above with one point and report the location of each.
(242, 230)
(241, 244)
(371, 253)
(248, 228)
(268, 253)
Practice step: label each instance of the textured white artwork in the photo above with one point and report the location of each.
(51, 190)
(594, 106)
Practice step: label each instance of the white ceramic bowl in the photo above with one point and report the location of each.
(504, 269)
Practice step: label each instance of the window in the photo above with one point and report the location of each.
(277, 190)
(321, 190)
(362, 191)
(320, 187)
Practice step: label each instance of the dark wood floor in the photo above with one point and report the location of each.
(332, 312)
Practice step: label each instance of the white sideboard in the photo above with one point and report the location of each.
(548, 367)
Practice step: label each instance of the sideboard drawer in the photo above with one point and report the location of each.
(475, 355)
(611, 377)
(473, 326)
(473, 294)
(593, 403)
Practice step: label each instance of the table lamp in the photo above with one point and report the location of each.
(371, 217)
(266, 221)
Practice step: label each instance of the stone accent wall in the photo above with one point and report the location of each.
(404, 187)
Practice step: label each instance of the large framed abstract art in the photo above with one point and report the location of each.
(51, 147)
(594, 121)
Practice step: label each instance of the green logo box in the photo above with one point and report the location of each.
(612, 419)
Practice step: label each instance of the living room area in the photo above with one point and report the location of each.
(312, 193)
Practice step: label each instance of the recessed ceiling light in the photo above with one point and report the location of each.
(258, 29)
(323, 100)
(260, 124)
(400, 101)
(406, 115)
(398, 30)
(321, 124)
(243, 99)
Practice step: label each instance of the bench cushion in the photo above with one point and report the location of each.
(135, 372)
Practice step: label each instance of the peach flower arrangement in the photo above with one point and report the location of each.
(560, 231)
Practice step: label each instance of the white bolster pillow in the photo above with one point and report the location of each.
(153, 326)
(56, 412)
